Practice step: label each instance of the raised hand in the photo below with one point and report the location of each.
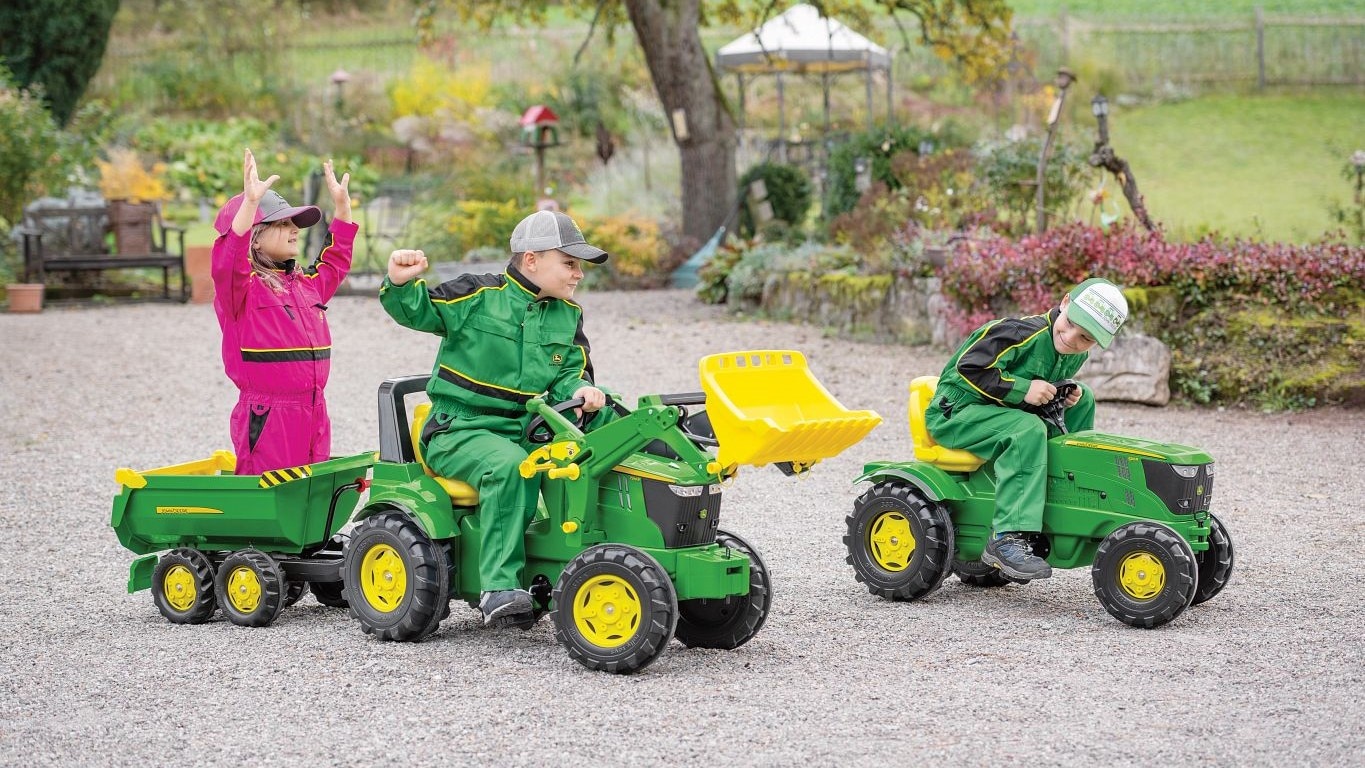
(340, 191)
(405, 265)
(253, 189)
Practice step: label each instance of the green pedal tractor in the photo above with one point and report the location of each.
(626, 550)
(1135, 511)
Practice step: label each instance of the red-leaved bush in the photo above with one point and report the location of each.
(990, 278)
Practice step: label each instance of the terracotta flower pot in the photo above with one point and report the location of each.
(25, 297)
(198, 265)
(132, 224)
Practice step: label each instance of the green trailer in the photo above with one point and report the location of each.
(250, 544)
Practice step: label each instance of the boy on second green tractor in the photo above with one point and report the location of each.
(1007, 364)
(506, 339)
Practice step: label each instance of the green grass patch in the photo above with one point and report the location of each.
(1263, 166)
(1136, 10)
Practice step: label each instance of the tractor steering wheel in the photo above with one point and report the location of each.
(538, 431)
(1054, 412)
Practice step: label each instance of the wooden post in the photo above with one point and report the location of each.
(1260, 48)
(1064, 80)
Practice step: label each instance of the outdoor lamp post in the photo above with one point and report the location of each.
(339, 79)
(1099, 107)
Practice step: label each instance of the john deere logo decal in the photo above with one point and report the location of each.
(556, 358)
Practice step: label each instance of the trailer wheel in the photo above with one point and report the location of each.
(899, 544)
(251, 587)
(329, 593)
(615, 609)
(394, 578)
(1144, 574)
(294, 592)
(978, 574)
(1215, 563)
(728, 622)
(182, 586)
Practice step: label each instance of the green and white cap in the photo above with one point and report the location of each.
(1098, 306)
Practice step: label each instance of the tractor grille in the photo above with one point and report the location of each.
(684, 520)
(1183, 495)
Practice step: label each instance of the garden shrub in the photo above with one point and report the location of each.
(479, 224)
(879, 148)
(1009, 171)
(31, 158)
(789, 194)
(1245, 320)
(640, 254)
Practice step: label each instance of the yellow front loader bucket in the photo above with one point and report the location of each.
(766, 407)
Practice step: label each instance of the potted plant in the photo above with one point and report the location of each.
(133, 191)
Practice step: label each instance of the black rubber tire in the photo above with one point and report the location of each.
(329, 593)
(200, 570)
(1215, 563)
(931, 556)
(256, 572)
(651, 590)
(1160, 544)
(728, 622)
(979, 574)
(417, 611)
(294, 592)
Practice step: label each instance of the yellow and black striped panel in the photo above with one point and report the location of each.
(276, 476)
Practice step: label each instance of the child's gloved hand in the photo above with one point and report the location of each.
(404, 265)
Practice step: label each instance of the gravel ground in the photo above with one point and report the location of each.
(1267, 673)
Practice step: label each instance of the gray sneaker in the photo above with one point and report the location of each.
(504, 604)
(1013, 555)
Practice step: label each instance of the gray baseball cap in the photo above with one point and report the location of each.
(549, 230)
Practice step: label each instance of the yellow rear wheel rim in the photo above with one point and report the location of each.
(383, 578)
(607, 611)
(244, 589)
(180, 588)
(1141, 575)
(891, 542)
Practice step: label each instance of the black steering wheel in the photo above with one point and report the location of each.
(1054, 412)
(538, 431)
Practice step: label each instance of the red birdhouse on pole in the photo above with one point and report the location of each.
(540, 130)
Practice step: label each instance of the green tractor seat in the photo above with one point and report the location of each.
(926, 450)
(461, 494)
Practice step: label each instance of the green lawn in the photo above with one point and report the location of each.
(1261, 166)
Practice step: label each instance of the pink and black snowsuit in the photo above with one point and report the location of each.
(277, 349)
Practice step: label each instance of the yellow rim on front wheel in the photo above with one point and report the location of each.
(607, 611)
(244, 589)
(179, 587)
(383, 578)
(890, 541)
(1141, 575)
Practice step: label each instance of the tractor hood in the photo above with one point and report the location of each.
(1173, 453)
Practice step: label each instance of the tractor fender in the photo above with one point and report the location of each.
(438, 522)
(936, 484)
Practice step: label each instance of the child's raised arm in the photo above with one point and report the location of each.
(340, 191)
(253, 189)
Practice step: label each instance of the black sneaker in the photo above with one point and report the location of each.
(504, 604)
(1013, 555)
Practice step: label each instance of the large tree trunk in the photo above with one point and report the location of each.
(681, 71)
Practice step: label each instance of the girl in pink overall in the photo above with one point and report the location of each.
(276, 343)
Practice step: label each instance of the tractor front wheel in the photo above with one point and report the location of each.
(396, 580)
(1144, 574)
(182, 586)
(1215, 563)
(899, 544)
(251, 587)
(728, 622)
(615, 609)
(979, 574)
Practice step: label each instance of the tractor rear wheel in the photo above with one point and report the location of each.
(294, 592)
(979, 574)
(615, 609)
(251, 587)
(1144, 574)
(328, 593)
(728, 622)
(899, 544)
(1215, 563)
(395, 578)
(182, 586)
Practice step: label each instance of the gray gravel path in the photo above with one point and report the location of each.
(1269, 672)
